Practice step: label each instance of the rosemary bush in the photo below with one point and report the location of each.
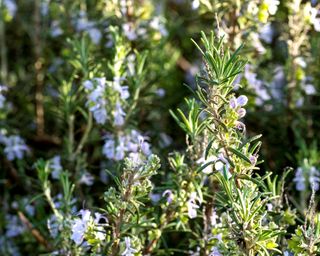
(104, 151)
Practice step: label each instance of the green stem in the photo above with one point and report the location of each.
(3, 47)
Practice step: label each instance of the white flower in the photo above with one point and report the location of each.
(272, 6)
(213, 218)
(15, 147)
(316, 24)
(55, 166)
(195, 4)
(203, 161)
(192, 206)
(157, 24)
(129, 251)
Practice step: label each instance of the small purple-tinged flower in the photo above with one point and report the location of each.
(155, 197)
(170, 196)
(192, 206)
(213, 218)
(15, 147)
(241, 112)
(119, 115)
(87, 179)
(80, 226)
(109, 148)
(129, 251)
(253, 160)
(238, 102)
(215, 252)
(240, 126)
(242, 100)
(55, 166)
(314, 178)
(299, 179)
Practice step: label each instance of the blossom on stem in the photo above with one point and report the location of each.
(129, 251)
(192, 205)
(15, 147)
(119, 115)
(55, 166)
(299, 179)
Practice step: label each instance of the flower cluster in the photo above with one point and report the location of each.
(86, 228)
(14, 146)
(99, 91)
(117, 147)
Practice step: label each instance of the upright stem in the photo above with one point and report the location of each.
(117, 231)
(70, 137)
(3, 48)
(38, 69)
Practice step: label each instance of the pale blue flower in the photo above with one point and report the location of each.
(314, 178)
(15, 147)
(120, 149)
(123, 90)
(119, 115)
(2, 101)
(11, 7)
(79, 226)
(87, 179)
(169, 195)
(215, 252)
(129, 31)
(14, 226)
(95, 35)
(55, 166)
(157, 24)
(109, 148)
(129, 251)
(299, 179)
(55, 29)
(53, 226)
(267, 33)
(154, 197)
(96, 99)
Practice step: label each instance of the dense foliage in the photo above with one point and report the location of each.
(121, 136)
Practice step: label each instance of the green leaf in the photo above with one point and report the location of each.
(239, 154)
